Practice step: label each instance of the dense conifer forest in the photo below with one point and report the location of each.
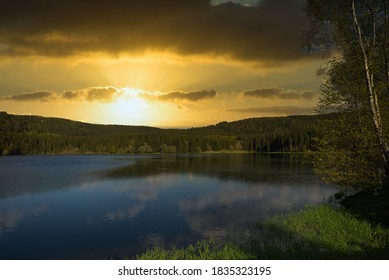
(28, 135)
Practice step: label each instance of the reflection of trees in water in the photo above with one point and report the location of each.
(227, 212)
(170, 199)
(240, 167)
(76, 170)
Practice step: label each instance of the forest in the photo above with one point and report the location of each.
(32, 135)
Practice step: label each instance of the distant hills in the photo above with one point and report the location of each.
(25, 135)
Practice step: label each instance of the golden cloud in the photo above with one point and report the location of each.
(100, 94)
(42, 96)
(279, 93)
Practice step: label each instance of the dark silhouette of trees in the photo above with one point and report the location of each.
(23, 135)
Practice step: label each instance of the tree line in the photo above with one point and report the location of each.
(27, 135)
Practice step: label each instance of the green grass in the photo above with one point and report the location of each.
(321, 232)
(211, 249)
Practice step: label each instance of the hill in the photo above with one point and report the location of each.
(22, 135)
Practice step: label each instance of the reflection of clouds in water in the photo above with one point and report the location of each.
(225, 211)
(268, 195)
(86, 186)
(9, 219)
(154, 240)
(116, 215)
(229, 212)
(220, 223)
(205, 226)
(122, 214)
(160, 202)
(145, 189)
(147, 194)
(139, 192)
(227, 197)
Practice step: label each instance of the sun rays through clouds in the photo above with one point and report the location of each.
(172, 63)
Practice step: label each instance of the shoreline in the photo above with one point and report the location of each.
(159, 153)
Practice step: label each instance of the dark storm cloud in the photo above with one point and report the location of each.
(42, 96)
(277, 110)
(268, 32)
(190, 96)
(279, 93)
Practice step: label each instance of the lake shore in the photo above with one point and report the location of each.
(358, 230)
(77, 153)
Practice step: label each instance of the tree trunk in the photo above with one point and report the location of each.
(385, 47)
(373, 100)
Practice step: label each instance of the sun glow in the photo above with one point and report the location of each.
(130, 102)
(129, 108)
(130, 92)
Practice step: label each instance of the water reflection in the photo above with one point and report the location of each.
(221, 195)
(241, 167)
(115, 206)
(24, 175)
(11, 217)
(123, 214)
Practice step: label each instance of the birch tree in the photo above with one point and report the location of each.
(368, 46)
(358, 32)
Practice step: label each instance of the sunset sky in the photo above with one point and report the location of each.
(163, 63)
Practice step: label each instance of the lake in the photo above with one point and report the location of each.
(117, 206)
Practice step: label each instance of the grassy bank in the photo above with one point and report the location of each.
(322, 232)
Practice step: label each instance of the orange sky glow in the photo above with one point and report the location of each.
(169, 63)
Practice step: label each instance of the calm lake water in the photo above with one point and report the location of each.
(97, 207)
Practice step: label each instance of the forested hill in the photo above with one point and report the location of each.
(40, 135)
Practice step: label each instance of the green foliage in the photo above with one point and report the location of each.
(203, 250)
(351, 149)
(145, 148)
(322, 232)
(38, 135)
(168, 149)
(348, 150)
(347, 155)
